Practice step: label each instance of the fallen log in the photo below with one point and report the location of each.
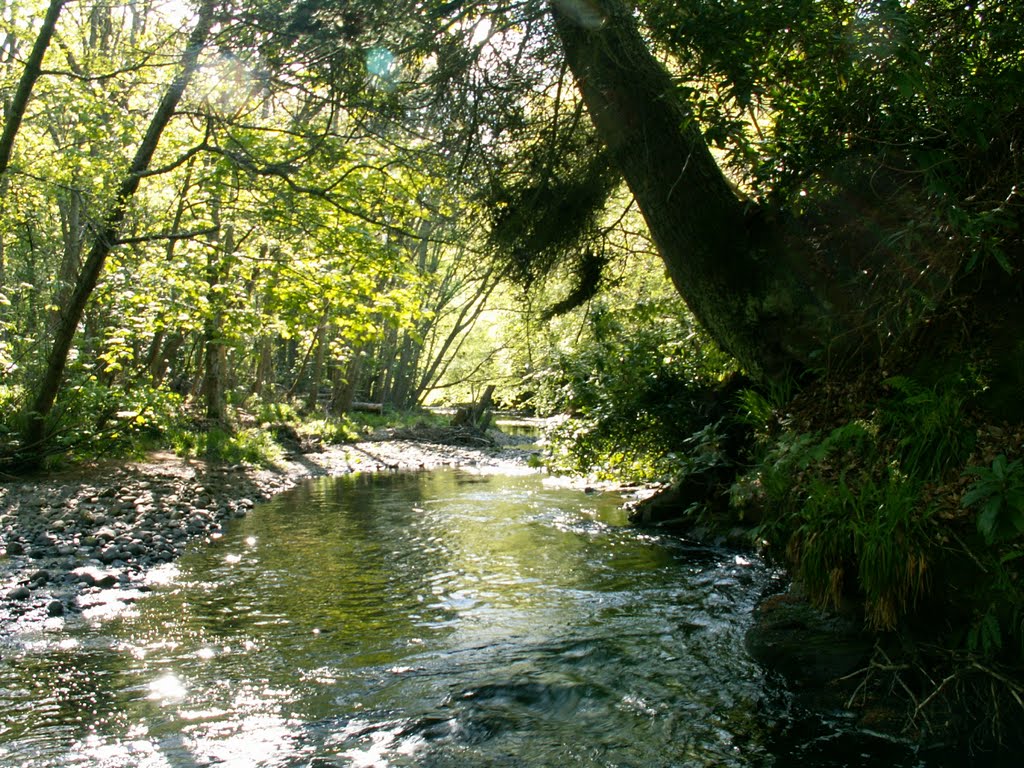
(377, 408)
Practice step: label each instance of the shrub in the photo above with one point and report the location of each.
(999, 492)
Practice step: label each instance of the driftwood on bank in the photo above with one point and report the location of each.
(461, 436)
(478, 414)
(377, 408)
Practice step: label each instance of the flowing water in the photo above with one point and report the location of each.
(429, 619)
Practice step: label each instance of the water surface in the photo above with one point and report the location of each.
(430, 619)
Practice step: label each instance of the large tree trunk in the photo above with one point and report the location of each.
(743, 296)
(106, 237)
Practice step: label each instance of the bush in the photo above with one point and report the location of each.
(849, 522)
(632, 398)
(253, 446)
(999, 492)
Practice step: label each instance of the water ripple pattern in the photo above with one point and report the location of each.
(427, 619)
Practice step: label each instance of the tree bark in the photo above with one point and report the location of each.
(14, 112)
(214, 390)
(106, 237)
(264, 368)
(346, 381)
(736, 292)
(313, 395)
(33, 69)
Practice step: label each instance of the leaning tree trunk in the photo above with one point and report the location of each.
(15, 113)
(106, 237)
(744, 297)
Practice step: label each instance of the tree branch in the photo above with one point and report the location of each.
(208, 232)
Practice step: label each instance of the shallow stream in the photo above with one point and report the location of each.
(438, 618)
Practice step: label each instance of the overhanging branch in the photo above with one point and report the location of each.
(208, 232)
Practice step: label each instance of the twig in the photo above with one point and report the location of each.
(1014, 689)
(933, 694)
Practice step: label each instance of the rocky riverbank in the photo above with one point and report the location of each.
(88, 537)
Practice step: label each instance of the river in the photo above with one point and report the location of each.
(443, 618)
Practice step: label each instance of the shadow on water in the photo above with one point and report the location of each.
(431, 619)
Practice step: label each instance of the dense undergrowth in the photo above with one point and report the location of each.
(896, 498)
(97, 421)
(908, 504)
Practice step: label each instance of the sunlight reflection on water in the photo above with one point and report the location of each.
(167, 689)
(440, 619)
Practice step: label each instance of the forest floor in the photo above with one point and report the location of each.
(88, 537)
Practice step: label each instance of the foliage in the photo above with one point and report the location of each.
(999, 492)
(847, 505)
(98, 420)
(869, 531)
(252, 446)
(633, 398)
(995, 625)
(865, 510)
(927, 426)
(929, 89)
(334, 430)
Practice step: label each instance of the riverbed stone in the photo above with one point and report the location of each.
(20, 593)
(809, 647)
(109, 554)
(55, 608)
(91, 576)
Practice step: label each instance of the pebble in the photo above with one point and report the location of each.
(20, 593)
(84, 537)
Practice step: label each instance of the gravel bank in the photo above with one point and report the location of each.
(68, 541)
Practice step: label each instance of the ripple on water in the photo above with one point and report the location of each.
(426, 619)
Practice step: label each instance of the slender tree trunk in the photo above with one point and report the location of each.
(300, 374)
(383, 385)
(33, 69)
(215, 378)
(159, 358)
(73, 233)
(106, 236)
(468, 315)
(3, 255)
(264, 367)
(165, 356)
(14, 111)
(313, 396)
(156, 345)
(346, 382)
(743, 297)
(403, 395)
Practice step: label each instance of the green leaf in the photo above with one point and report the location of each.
(988, 520)
(977, 492)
